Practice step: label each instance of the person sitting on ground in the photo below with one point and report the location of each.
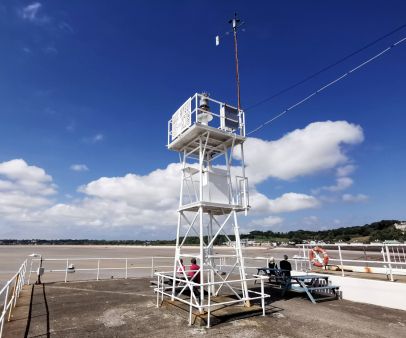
(285, 266)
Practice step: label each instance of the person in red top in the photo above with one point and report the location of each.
(194, 271)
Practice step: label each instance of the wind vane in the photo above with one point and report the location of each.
(236, 24)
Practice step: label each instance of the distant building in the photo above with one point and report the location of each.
(401, 226)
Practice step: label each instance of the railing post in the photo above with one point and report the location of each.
(208, 308)
(152, 266)
(29, 276)
(389, 263)
(341, 261)
(262, 297)
(157, 291)
(4, 311)
(98, 269)
(66, 270)
(126, 268)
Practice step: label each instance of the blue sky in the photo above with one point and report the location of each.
(86, 89)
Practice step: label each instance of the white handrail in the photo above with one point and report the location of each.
(16, 283)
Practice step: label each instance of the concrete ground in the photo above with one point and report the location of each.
(126, 308)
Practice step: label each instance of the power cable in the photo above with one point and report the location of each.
(324, 69)
(328, 85)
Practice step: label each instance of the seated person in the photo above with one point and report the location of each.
(272, 264)
(180, 272)
(181, 268)
(194, 273)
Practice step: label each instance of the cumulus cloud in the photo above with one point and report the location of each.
(24, 190)
(79, 167)
(317, 147)
(288, 202)
(342, 183)
(349, 198)
(147, 203)
(345, 170)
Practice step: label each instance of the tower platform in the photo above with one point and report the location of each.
(213, 208)
(189, 140)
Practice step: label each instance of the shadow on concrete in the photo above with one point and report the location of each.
(38, 301)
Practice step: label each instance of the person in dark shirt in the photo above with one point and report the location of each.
(272, 273)
(285, 265)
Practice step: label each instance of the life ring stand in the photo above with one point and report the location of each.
(318, 256)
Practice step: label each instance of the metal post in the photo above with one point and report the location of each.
(190, 308)
(39, 271)
(152, 266)
(126, 268)
(4, 310)
(389, 263)
(234, 22)
(29, 276)
(157, 293)
(243, 174)
(262, 297)
(341, 261)
(208, 310)
(66, 270)
(98, 269)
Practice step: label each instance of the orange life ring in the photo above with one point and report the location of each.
(318, 256)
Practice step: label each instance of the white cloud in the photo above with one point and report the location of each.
(342, 183)
(301, 152)
(79, 167)
(31, 13)
(24, 189)
(345, 170)
(354, 198)
(147, 203)
(288, 202)
(94, 139)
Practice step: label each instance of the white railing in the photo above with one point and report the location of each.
(93, 267)
(393, 258)
(191, 112)
(207, 305)
(10, 292)
(392, 262)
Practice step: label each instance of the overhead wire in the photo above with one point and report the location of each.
(325, 68)
(324, 87)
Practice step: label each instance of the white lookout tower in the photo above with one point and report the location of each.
(209, 136)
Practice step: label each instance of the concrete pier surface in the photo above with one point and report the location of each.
(127, 308)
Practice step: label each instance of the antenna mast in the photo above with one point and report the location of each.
(236, 24)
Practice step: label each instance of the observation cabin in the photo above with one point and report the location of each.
(209, 136)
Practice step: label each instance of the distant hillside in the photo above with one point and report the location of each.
(377, 231)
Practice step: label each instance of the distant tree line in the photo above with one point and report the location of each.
(377, 231)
